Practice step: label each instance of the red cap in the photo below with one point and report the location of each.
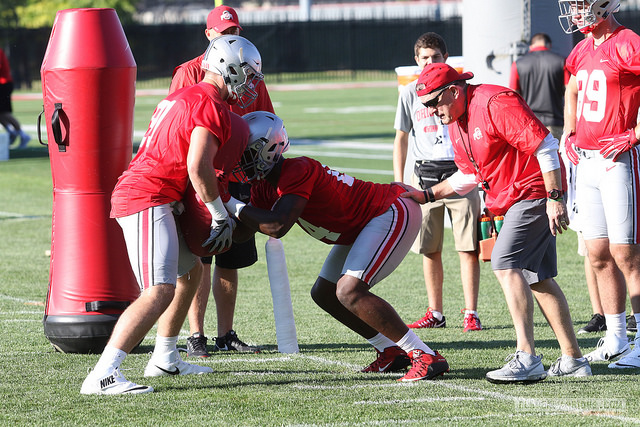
(221, 18)
(436, 76)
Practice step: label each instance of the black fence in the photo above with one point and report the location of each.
(287, 49)
(346, 48)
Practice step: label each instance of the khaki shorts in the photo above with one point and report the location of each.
(463, 212)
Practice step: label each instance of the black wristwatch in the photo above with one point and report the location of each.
(555, 195)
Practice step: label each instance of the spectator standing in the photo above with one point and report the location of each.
(421, 136)
(540, 77)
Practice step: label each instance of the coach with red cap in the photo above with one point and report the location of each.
(500, 144)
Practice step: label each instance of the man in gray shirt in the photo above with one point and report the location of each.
(423, 156)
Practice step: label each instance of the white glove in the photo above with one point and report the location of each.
(221, 236)
(222, 227)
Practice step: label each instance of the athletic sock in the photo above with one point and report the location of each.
(380, 342)
(637, 317)
(111, 358)
(616, 325)
(165, 347)
(410, 341)
(437, 315)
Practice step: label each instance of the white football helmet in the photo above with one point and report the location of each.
(238, 61)
(267, 141)
(584, 15)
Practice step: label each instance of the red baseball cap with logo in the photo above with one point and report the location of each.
(438, 75)
(221, 18)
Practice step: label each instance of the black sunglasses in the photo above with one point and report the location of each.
(433, 102)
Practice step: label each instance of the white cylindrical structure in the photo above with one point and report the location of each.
(281, 295)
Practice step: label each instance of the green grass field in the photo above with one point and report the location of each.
(321, 385)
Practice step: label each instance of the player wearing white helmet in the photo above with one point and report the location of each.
(601, 137)
(267, 142)
(189, 137)
(584, 15)
(371, 230)
(238, 61)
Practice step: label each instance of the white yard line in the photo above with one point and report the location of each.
(547, 406)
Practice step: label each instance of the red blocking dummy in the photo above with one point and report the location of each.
(88, 84)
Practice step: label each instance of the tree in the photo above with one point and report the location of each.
(41, 13)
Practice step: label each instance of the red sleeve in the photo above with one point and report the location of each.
(514, 121)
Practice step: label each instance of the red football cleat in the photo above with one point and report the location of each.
(425, 366)
(391, 359)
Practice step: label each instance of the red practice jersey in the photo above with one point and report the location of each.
(191, 72)
(608, 86)
(158, 173)
(496, 142)
(339, 206)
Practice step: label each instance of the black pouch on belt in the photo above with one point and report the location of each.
(432, 172)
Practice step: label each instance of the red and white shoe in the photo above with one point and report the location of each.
(391, 359)
(428, 321)
(425, 366)
(471, 322)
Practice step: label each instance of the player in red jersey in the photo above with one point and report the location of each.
(500, 143)
(601, 129)
(221, 20)
(188, 132)
(371, 230)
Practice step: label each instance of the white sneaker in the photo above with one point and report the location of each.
(567, 366)
(608, 348)
(158, 368)
(112, 382)
(521, 367)
(630, 360)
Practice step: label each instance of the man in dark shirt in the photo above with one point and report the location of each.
(539, 76)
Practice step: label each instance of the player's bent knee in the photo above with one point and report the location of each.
(323, 292)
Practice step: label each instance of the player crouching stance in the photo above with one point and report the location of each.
(370, 227)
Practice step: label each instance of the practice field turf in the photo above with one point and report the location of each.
(350, 129)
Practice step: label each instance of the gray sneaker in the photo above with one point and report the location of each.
(567, 366)
(521, 367)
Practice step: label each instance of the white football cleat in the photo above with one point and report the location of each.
(608, 348)
(630, 360)
(158, 367)
(113, 382)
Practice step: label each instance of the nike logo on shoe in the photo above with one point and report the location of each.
(107, 381)
(174, 372)
(613, 356)
(384, 368)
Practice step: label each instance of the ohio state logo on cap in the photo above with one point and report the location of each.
(226, 16)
